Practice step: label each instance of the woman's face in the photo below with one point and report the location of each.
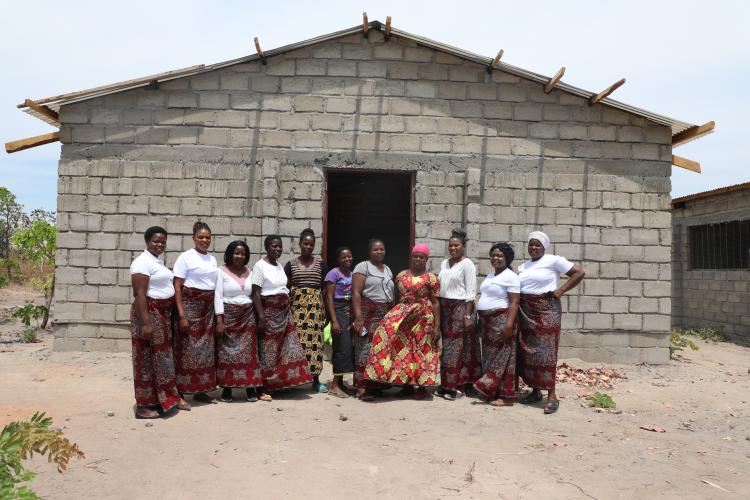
(307, 246)
(536, 249)
(497, 259)
(275, 248)
(239, 255)
(377, 252)
(455, 248)
(157, 244)
(345, 259)
(418, 261)
(202, 240)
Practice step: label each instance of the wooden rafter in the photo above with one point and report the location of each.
(496, 60)
(43, 110)
(259, 50)
(686, 164)
(31, 142)
(387, 27)
(553, 81)
(365, 24)
(604, 93)
(693, 133)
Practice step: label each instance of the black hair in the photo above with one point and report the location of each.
(371, 243)
(150, 232)
(229, 252)
(305, 233)
(340, 250)
(460, 234)
(269, 239)
(506, 249)
(199, 226)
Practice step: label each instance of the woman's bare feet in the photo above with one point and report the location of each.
(184, 405)
(144, 412)
(502, 402)
(264, 396)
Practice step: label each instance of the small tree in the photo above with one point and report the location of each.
(37, 244)
(11, 217)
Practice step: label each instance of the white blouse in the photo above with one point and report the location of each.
(458, 282)
(197, 269)
(495, 289)
(232, 289)
(541, 275)
(160, 278)
(271, 279)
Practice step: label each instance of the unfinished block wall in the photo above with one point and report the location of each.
(245, 148)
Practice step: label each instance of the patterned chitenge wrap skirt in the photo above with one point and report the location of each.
(194, 350)
(342, 357)
(539, 317)
(460, 362)
(282, 359)
(498, 357)
(237, 363)
(309, 320)
(372, 314)
(153, 363)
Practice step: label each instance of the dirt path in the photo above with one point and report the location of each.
(299, 446)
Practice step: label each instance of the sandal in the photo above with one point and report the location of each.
(449, 395)
(551, 407)
(339, 393)
(367, 396)
(532, 398)
(251, 395)
(139, 415)
(184, 406)
(501, 402)
(265, 397)
(204, 398)
(321, 388)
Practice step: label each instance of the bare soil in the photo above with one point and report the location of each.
(311, 445)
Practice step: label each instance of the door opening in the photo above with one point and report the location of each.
(360, 205)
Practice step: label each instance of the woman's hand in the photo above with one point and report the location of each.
(507, 334)
(558, 293)
(220, 326)
(468, 324)
(335, 328)
(358, 324)
(184, 324)
(147, 331)
(261, 325)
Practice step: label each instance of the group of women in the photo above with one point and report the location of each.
(201, 326)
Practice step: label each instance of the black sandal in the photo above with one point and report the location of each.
(226, 395)
(252, 395)
(531, 398)
(551, 406)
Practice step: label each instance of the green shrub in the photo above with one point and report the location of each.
(29, 312)
(30, 336)
(3, 281)
(677, 342)
(707, 333)
(601, 400)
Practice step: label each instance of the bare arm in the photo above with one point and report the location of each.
(330, 288)
(514, 299)
(259, 310)
(182, 319)
(575, 275)
(435, 310)
(219, 306)
(358, 284)
(140, 287)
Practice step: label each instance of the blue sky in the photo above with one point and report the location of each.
(685, 59)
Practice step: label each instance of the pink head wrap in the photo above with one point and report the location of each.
(421, 248)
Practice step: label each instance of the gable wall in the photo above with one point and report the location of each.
(244, 149)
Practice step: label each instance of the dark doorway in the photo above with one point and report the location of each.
(362, 205)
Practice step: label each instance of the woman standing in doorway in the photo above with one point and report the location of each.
(498, 309)
(372, 297)
(339, 306)
(151, 330)
(237, 362)
(460, 363)
(305, 281)
(282, 360)
(195, 274)
(540, 317)
(405, 347)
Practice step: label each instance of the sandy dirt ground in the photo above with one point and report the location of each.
(307, 445)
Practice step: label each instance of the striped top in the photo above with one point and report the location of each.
(458, 282)
(306, 277)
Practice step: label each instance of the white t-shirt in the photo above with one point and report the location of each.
(160, 278)
(495, 289)
(197, 269)
(540, 276)
(458, 282)
(271, 279)
(231, 289)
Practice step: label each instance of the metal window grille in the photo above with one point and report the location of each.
(725, 245)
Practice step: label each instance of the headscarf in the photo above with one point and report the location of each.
(421, 248)
(540, 237)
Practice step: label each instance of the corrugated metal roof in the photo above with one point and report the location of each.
(708, 194)
(58, 101)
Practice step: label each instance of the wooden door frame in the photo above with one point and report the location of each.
(354, 171)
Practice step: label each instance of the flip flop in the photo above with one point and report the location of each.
(322, 389)
(265, 397)
(531, 398)
(144, 417)
(338, 394)
(552, 406)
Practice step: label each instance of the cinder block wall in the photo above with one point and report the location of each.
(244, 149)
(708, 297)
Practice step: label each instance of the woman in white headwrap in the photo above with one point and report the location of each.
(540, 317)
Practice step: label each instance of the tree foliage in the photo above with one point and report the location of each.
(11, 217)
(37, 243)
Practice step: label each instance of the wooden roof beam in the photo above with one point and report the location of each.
(43, 110)
(387, 27)
(693, 133)
(681, 162)
(31, 142)
(259, 51)
(604, 93)
(365, 25)
(495, 61)
(553, 81)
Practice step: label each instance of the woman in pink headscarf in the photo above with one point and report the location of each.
(404, 349)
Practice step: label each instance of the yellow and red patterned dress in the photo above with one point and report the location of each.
(405, 347)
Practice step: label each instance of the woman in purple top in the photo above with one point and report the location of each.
(338, 299)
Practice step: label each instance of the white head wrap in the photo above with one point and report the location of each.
(540, 237)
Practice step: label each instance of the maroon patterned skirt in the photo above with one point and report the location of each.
(153, 363)
(372, 314)
(539, 318)
(194, 350)
(460, 362)
(498, 357)
(282, 359)
(237, 363)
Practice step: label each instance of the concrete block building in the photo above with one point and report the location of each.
(711, 261)
(358, 135)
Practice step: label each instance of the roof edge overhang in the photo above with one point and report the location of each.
(681, 201)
